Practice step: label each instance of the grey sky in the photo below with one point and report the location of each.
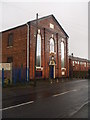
(73, 16)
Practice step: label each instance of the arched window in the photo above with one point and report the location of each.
(38, 52)
(62, 54)
(51, 45)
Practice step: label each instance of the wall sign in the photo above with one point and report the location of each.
(6, 66)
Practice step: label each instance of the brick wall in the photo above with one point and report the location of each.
(78, 70)
(46, 34)
(18, 50)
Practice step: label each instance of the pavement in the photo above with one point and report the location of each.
(25, 89)
(82, 113)
(49, 99)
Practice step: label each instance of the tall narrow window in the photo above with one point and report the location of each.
(51, 45)
(62, 54)
(38, 52)
(10, 40)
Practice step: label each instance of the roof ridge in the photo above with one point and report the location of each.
(25, 23)
(78, 57)
(51, 15)
(54, 19)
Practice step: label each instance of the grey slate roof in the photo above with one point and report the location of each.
(77, 58)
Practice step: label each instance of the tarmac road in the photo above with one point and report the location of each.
(83, 112)
(56, 100)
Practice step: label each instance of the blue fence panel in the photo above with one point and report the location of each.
(19, 75)
(27, 77)
(12, 75)
(28, 74)
(15, 75)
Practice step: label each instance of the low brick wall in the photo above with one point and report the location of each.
(80, 74)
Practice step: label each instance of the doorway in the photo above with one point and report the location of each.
(52, 71)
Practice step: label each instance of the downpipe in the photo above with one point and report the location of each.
(27, 52)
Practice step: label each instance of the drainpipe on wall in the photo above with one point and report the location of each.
(27, 52)
(36, 45)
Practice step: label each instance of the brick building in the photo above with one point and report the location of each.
(89, 69)
(78, 67)
(40, 45)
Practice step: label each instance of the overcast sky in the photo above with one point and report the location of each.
(73, 16)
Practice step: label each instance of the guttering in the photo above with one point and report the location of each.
(27, 52)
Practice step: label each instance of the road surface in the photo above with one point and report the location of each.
(57, 100)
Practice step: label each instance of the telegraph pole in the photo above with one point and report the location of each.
(36, 49)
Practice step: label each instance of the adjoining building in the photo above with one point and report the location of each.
(78, 67)
(40, 45)
(89, 69)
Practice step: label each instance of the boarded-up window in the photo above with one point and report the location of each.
(9, 59)
(10, 39)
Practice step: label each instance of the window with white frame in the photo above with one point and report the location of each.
(73, 63)
(85, 64)
(51, 26)
(80, 63)
(38, 52)
(62, 54)
(51, 45)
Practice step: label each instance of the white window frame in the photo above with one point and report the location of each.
(73, 63)
(52, 43)
(63, 53)
(38, 35)
(51, 26)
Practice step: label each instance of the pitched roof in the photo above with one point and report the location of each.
(39, 20)
(77, 58)
(45, 17)
(13, 28)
